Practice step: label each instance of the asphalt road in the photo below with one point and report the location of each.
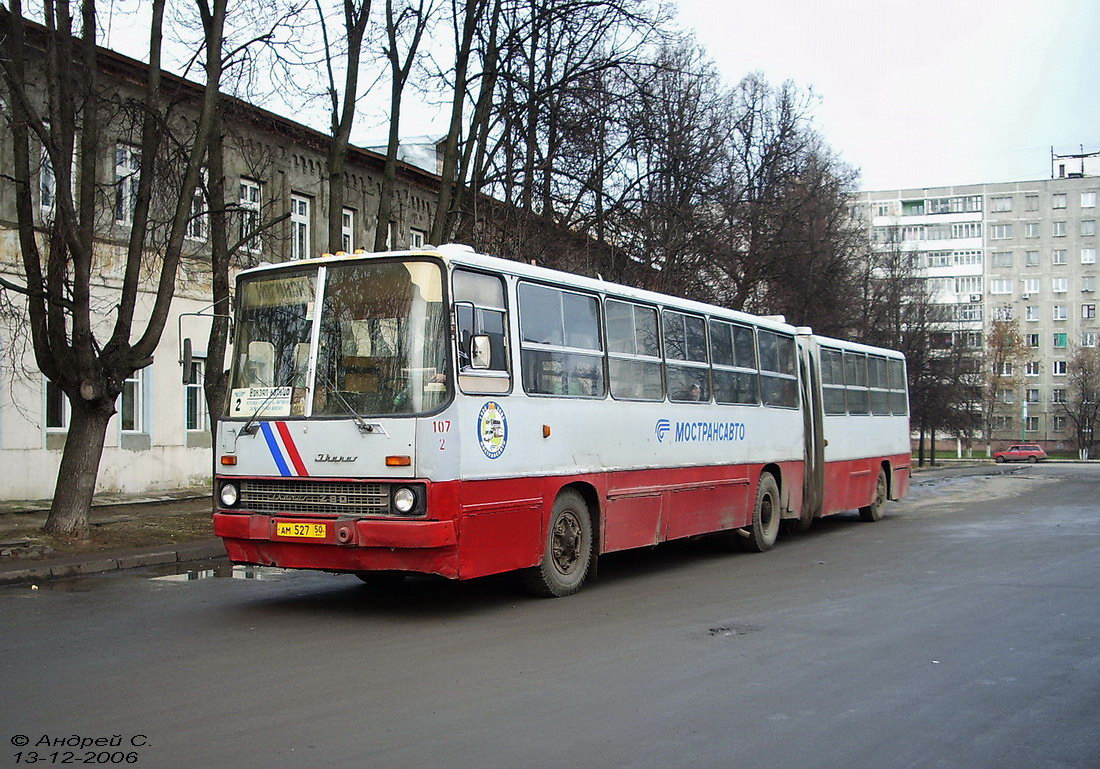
(963, 630)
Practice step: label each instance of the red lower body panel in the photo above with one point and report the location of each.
(491, 526)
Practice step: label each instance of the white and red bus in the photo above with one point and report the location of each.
(443, 412)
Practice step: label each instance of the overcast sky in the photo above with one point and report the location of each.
(926, 93)
(914, 94)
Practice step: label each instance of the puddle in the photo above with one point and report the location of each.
(225, 571)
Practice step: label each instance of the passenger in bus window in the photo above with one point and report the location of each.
(695, 392)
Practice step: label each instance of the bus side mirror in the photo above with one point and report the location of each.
(480, 352)
(187, 358)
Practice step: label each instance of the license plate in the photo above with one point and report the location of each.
(307, 530)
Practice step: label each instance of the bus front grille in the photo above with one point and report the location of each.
(315, 497)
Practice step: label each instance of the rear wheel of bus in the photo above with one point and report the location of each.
(762, 532)
(873, 511)
(567, 550)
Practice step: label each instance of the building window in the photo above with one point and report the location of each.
(1031, 285)
(969, 312)
(416, 238)
(883, 209)
(1088, 311)
(1058, 256)
(1031, 230)
(1088, 283)
(1000, 205)
(1088, 200)
(249, 202)
(1001, 423)
(1001, 286)
(197, 225)
(1032, 340)
(1088, 338)
(1059, 368)
(127, 174)
(1006, 368)
(966, 230)
(1032, 424)
(57, 408)
(1032, 395)
(1059, 285)
(131, 407)
(1058, 200)
(1060, 312)
(1002, 258)
(47, 182)
(1031, 202)
(1058, 229)
(1005, 396)
(1000, 231)
(1058, 395)
(1088, 227)
(1059, 424)
(347, 231)
(194, 398)
(1061, 339)
(1088, 256)
(1031, 258)
(970, 284)
(299, 227)
(1031, 312)
(1032, 368)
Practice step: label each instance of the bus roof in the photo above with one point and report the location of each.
(465, 256)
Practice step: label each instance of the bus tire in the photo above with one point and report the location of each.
(567, 550)
(766, 514)
(873, 511)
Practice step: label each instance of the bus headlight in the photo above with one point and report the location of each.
(404, 499)
(229, 494)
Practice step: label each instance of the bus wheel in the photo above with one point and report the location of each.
(567, 554)
(765, 517)
(873, 511)
(381, 579)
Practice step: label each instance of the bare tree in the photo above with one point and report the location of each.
(356, 14)
(1083, 405)
(405, 25)
(1003, 356)
(87, 360)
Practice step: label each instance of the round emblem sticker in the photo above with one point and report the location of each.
(492, 429)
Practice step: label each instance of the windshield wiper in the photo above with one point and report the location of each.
(364, 428)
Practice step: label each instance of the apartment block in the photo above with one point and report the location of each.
(1020, 251)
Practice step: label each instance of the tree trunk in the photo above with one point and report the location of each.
(79, 467)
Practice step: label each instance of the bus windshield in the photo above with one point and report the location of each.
(380, 343)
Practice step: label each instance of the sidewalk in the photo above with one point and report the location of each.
(128, 530)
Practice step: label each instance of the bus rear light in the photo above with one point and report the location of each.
(228, 461)
(398, 461)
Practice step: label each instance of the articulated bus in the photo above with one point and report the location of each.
(443, 412)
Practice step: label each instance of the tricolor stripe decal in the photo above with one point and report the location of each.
(277, 450)
(291, 449)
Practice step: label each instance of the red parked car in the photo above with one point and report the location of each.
(1024, 452)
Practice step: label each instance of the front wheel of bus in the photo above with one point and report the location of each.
(567, 552)
(765, 517)
(873, 511)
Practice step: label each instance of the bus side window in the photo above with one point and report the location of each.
(686, 365)
(832, 382)
(779, 377)
(562, 349)
(855, 379)
(480, 310)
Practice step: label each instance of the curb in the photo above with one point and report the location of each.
(99, 563)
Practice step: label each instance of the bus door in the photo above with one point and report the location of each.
(813, 475)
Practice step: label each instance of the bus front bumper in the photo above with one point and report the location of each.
(429, 547)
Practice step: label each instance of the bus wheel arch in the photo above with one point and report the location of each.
(568, 547)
